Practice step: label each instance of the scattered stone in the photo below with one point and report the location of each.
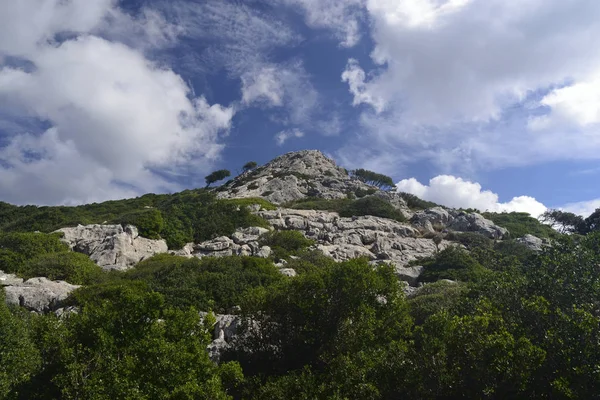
(38, 294)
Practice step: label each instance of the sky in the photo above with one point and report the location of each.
(489, 104)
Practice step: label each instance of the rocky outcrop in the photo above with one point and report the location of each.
(294, 176)
(342, 238)
(244, 242)
(112, 246)
(223, 333)
(532, 242)
(35, 294)
(473, 222)
(437, 219)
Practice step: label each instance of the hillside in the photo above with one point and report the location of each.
(294, 280)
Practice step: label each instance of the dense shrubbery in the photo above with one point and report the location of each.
(191, 215)
(451, 263)
(75, 268)
(18, 248)
(415, 203)
(285, 243)
(520, 224)
(372, 205)
(369, 205)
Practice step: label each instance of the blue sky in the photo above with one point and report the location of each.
(492, 104)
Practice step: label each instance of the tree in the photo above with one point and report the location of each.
(564, 222)
(217, 176)
(593, 221)
(250, 165)
(373, 178)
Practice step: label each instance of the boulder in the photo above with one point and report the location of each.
(111, 246)
(432, 218)
(474, 222)
(531, 242)
(38, 294)
(288, 272)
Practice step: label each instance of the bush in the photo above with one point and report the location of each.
(519, 224)
(335, 205)
(374, 206)
(451, 263)
(75, 268)
(285, 243)
(17, 248)
(364, 192)
(149, 222)
(435, 297)
(415, 203)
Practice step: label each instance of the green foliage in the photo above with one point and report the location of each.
(415, 203)
(250, 165)
(75, 268)
(129, 345)
(19, 358)
(285, 243)
(520, 224)
(191, 215)
(150, 222)
(216, 176)
(17, 248)
(372, 205)
(364, 192)
(249, 201)
(441, 296)
(373, 178)
(451, 263)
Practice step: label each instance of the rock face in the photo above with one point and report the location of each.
(294, 176)
(224, 331)
(437, 219)
(244, 242)
(112, 246)
(35, 294)
(532, 242)
(341, 238)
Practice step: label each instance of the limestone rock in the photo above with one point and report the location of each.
(428, 219)
(294, 176)
(288, 272)
(9, 279)
(111, 246)
(474, 222)
(531, 242)
(38, 294)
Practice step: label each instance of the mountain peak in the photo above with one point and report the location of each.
(293, 176)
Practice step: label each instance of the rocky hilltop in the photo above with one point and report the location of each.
(294, 176)
(307, 175)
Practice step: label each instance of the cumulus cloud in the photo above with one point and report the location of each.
(115, 117)
(583, 208)
(480, 83)
(283, 136)
(455, 192)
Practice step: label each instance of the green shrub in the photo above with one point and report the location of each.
(319, 204)
(415, 203)
(17, 248)
(435, 297)
(75, 268)
(285, 243)
(519, 224)
(451, 263)
(149, 222)
(248, 201)
(471, 240)
(364, 192)
(374, 206)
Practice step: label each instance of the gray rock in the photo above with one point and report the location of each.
(38, 294)
(409, 274)
(9, 279)
(474, 222)
(218, 244)
(288, 272)
(294, 176)
(111, 246)
(264, 252)
(531, 242)
(431, 218)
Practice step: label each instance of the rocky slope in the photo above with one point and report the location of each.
(294, 176)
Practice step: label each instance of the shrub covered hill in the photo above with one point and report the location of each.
(296, 280)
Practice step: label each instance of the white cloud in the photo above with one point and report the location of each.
(458, 83)
(285, 85)
(342, 16)
(458, 193)
(583, 208)
(283, 136)
(116, 117)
